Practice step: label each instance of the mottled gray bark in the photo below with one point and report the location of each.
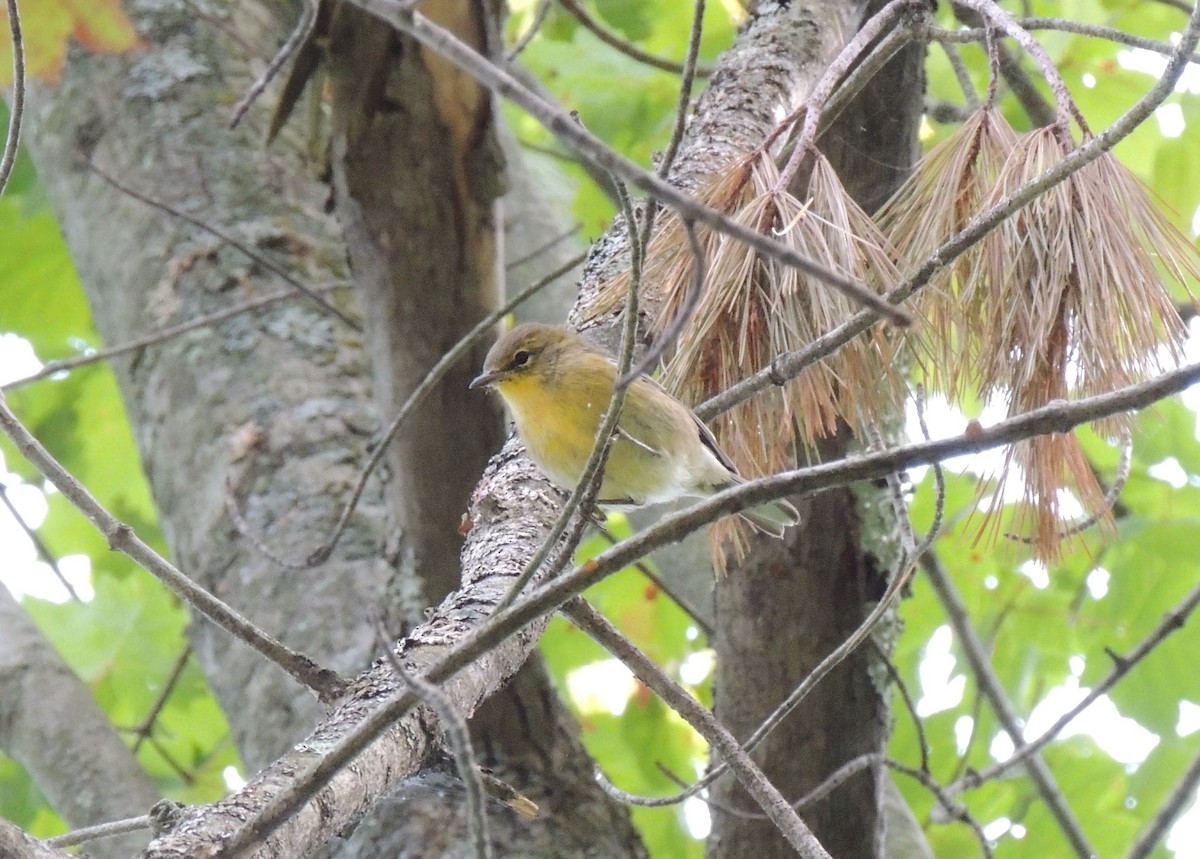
(52, 726)
(276, 403)
(417, 173)
(280, 403)
(270, 402)
(15, 844)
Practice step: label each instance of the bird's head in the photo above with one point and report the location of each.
(523, 353)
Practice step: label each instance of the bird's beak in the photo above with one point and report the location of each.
(484, 379)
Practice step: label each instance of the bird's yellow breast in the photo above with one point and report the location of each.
(559, 423)
(558, 430)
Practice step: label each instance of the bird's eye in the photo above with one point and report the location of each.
(521, 359)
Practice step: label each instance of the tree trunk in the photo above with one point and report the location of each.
(789, 606)
(281, 404)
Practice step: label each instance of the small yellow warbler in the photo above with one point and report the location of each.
(558, 385)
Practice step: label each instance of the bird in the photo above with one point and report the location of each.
(557, 386)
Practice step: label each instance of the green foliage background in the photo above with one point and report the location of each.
(125, 641)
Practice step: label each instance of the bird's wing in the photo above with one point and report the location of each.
(706, 436)
(710, 441)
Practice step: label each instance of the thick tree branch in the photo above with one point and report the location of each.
(52, 726)
(15, 844)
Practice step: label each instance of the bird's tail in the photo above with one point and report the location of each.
(772, 518)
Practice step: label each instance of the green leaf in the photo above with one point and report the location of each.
(631, 17)
(42, 297)
(1152, 569)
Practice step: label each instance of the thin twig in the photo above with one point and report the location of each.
(1064, 25)
(1172, 621)
(682, 105)
(1003, 63)
(954, 810)
(16, 110)
(234, 242)
(53, 368)
(40, 547)
(1111, 497)
(939, 479)
(1064, 104)
(458, 738)
(1181, 5)
(100, 830)
(993, 689)
(688, 307)
(539, 18)
(992, 46)
(838, 777)
(579, 612)
(898, 38)
(661, 343)
(909, 705)
(308, 17)
(964, 757)
(589, 148)
(542, 248)
(426, 386)
(1183, 793)
(686, 84)
(146, 728)
(788, 366)
(628, 49)
(961, 75)
(185, 775)
(697, 617)
(871, 30)
(233, 508)
(122, 538)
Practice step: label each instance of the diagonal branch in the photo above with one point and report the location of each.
(782, 814)
(297, 800)
(993, 689)
(121, 538)
(560, 123)
(627, 48)
(1168, 814)
(1172, 621)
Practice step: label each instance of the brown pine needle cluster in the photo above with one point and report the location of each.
(946, 190)
(753, 308)
(1068, 297)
